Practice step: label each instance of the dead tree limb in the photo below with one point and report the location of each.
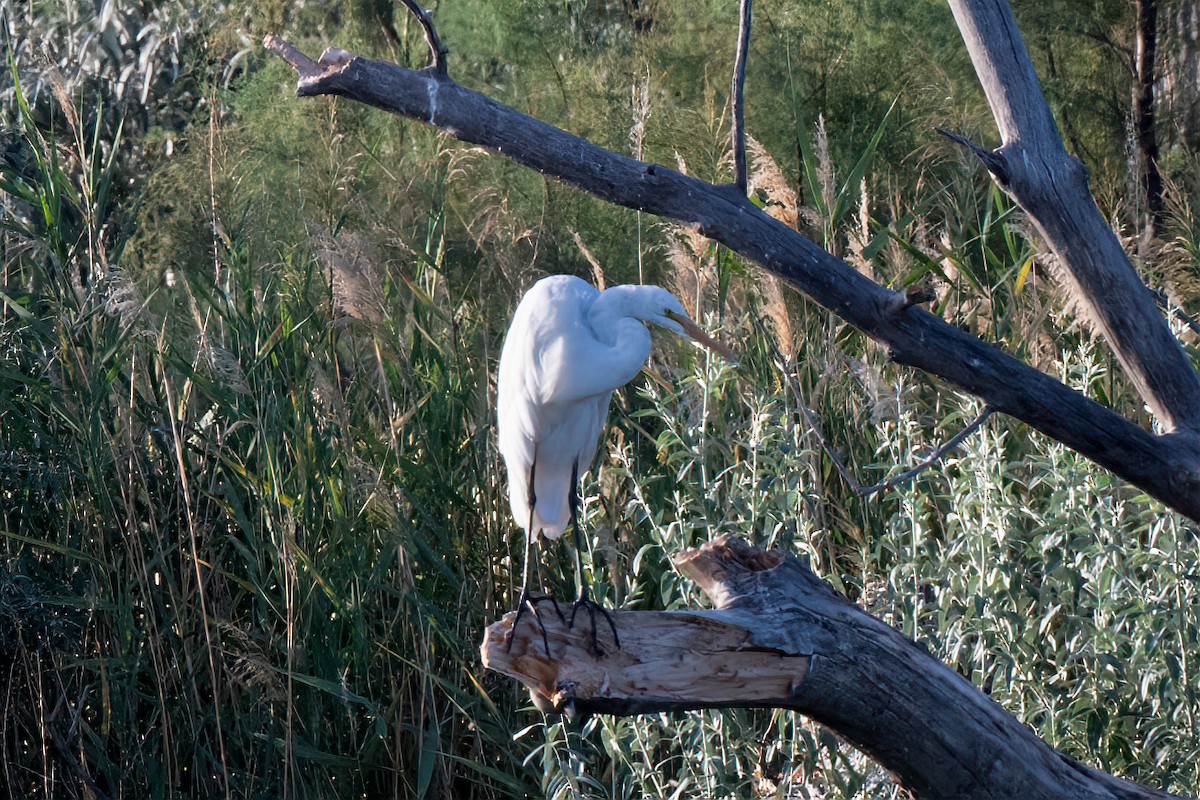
(1167, 467)
(1052, 187)
(936, 455)
(738, 128)
(780, 637)
(437, 50)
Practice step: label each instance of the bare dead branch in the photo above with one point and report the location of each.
(305, 67)
(1051, 187)
(778, 636)
(1167, 467)
(437, 50)
(738, 131)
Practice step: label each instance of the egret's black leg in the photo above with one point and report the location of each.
(584, 600)
(527, 599)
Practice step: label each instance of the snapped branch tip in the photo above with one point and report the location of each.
(991, 159)
(437, 50)
(305, 67)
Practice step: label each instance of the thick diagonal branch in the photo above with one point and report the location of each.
(1166, 467)
(781, 637)
(1051, 186)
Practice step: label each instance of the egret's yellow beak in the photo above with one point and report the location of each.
(697, 334)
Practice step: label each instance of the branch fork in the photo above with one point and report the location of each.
(1158, 367)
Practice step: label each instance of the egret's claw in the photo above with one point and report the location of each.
(531, 601)
(592, 607)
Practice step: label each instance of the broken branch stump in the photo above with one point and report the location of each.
(779, 636)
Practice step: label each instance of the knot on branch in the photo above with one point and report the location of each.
(992, 159)
(725, 568)
(1185, 475)
(915, 295)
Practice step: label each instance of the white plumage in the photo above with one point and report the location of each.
(568, 348)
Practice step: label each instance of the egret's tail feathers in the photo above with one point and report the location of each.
(545, 520)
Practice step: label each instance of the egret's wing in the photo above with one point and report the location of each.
(526, 419)
(578, 367)
(566, 448)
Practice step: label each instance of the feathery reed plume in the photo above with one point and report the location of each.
(223, 367)
(251, 666)
(680, 164)
(782, 203)
(684, 277)
(352, 276)
(122, 299)
(775, 306)
(825, 172)
(597, 270)
(766, 177)
(885, 398)
(862, 236)
(639, 99)
(323, 390)
(864, 213)
(495, 228)
(372, 496)
(686, 248)
(640, 106)
(58, 87)
(1180, 255)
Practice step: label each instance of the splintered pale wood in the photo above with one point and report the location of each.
(668, 661)
(780, 636)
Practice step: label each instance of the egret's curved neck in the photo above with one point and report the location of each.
(613, 310)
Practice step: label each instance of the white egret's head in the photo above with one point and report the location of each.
(667, 312)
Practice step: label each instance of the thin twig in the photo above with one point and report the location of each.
(990, 158)
(951, 443)
(1166, 304)
(739, 81)
(847, 476)
(809, 417)
(437, 50)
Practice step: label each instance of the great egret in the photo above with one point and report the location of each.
(568, 348)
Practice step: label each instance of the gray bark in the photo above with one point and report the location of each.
(781, 637)
(1167, 467)
(1051, 186)
(1181, 74)
(1145, 79)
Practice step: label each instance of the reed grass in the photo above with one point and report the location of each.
(253, 522)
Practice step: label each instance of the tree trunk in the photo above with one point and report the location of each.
(781, 637)
(1167, 467)
(1051, 187)
(1181, 75)
(1145, 61)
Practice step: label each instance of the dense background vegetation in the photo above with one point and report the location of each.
(252, 518)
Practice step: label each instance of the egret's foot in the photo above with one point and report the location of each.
(592, 608)
(531, 601)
